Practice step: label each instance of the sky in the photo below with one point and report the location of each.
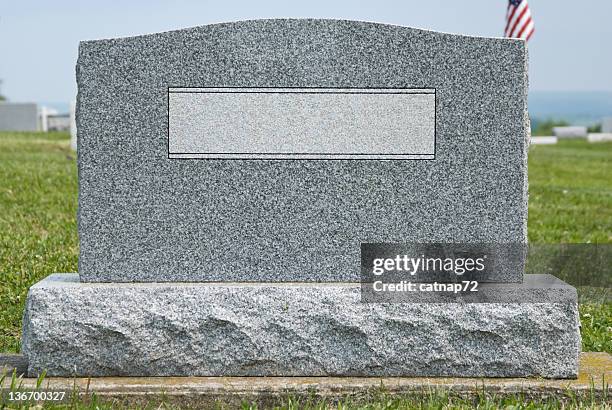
(570, 50)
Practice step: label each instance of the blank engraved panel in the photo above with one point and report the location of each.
(301, 123)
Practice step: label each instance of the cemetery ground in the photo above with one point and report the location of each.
(570, 202)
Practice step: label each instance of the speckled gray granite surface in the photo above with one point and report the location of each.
(249, 329)
(301, 123)
(145, 217)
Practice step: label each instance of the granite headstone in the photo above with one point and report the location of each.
(570, 132)
(269, 150)
(606, 125)
(18, 116)
(230, 174)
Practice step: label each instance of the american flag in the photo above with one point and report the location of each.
(519, 23)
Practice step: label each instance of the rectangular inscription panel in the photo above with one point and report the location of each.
(301, 123)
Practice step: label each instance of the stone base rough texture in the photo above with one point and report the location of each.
(80, 329)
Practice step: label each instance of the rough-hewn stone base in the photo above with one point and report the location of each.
(290, 329)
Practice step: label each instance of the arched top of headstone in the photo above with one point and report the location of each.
(316, 52)
(310, 24)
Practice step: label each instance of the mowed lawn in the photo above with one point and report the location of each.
(570, 192)
(570, 201)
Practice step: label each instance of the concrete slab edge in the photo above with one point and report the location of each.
(594, 380)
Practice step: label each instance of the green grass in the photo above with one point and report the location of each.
(38, 236)
(570, 201)
(570, 192)
(433, 400)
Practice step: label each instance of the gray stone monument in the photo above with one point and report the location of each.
(606, 125)
(228, 175)
(570, 132)
(73, 130)
(18, 116)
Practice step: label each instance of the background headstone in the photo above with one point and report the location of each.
(43, 119)
(543, 140)
(18, 116)
(606, 125)
(599, 137)
(570, 132)
(73, 130)
(58, 122)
